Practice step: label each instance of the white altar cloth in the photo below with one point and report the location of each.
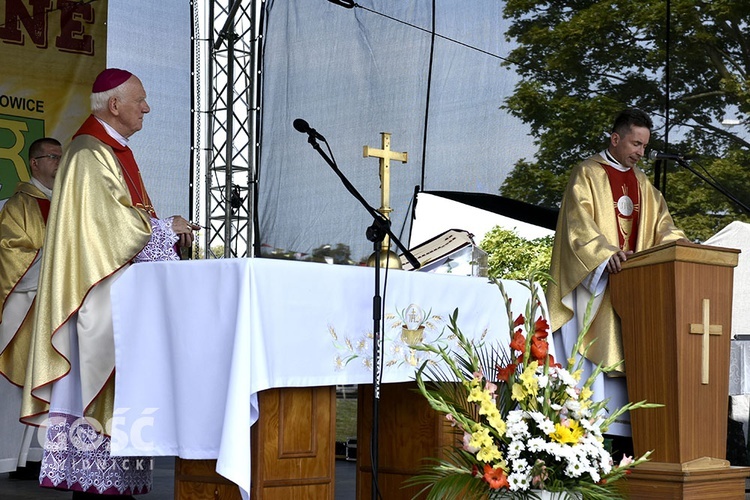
(196, 341)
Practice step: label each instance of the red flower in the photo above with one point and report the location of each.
(539, 348)
(520, 320)
(505, 373)
(541, 328)
(519, 341)
(552, 362)
(495, 477)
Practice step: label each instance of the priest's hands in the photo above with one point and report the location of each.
(184, 229)
(614, 265)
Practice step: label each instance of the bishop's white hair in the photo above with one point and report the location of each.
(100, 100)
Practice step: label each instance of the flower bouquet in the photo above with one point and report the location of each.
(528, 424)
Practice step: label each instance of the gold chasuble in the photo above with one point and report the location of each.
(590, 228)
(22, 219)
(85, 243)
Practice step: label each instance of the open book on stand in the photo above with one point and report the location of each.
(451, 252)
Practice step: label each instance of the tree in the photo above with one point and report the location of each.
(583, 61)
(510, 256)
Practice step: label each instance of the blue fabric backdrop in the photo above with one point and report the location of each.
(353, 73)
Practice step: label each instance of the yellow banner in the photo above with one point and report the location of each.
(51, 51)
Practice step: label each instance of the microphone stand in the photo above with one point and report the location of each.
(711, 183)
(380, 227)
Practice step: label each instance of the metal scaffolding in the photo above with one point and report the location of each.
(225, 133)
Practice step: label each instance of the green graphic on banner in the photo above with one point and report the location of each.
(16, 135)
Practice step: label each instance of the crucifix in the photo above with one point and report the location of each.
(706, 330)
(385, 155)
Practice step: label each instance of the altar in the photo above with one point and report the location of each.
(197, 341)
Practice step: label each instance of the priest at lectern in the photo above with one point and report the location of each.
(609, 210)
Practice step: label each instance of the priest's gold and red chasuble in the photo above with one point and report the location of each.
(627, 205)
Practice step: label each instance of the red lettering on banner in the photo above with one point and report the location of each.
(72, 37)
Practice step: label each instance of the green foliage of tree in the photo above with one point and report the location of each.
(583, 61)
(509, 256)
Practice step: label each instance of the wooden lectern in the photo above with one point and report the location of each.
(675, 305)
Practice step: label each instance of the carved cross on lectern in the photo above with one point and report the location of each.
(386, 155)
(706, 330)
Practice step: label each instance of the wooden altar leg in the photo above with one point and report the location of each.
(292, 451)
(198, 480)
(410, 431)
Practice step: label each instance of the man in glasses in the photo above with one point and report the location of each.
(23, 220)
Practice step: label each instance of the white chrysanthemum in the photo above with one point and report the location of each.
(517, 428)
(544, 423)
(573, 404)
(571, 392)
(536, 445)
(555, 406)
(605, 463)
(595, 477)
(588, 448)
(514, 416)
(519, 481)
(575, 468)
(515, 448)
(542, 380)
(562, 451)
(521, 465)
(566, 378)
(583, 413)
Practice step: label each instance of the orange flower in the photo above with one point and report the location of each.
(541, 328)
(539, 348)
(519, 342)
(552, 362)
(505, 373)
(495, 477)
(520, 320)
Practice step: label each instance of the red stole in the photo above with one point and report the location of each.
(44, 205)
(138, 194)
(626, 199)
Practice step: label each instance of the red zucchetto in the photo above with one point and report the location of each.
(109, 79)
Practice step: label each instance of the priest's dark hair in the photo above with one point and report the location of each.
(629, 118)
(37, 147)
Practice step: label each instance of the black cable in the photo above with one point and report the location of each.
(432, 31)
(427, 97)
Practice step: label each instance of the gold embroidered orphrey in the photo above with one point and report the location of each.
(705, 329)
(385, 155)
(626, 207)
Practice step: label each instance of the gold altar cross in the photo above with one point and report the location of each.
(386, 155)
(705, 329)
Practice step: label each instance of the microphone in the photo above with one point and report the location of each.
(301, 125)
(655, 155)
